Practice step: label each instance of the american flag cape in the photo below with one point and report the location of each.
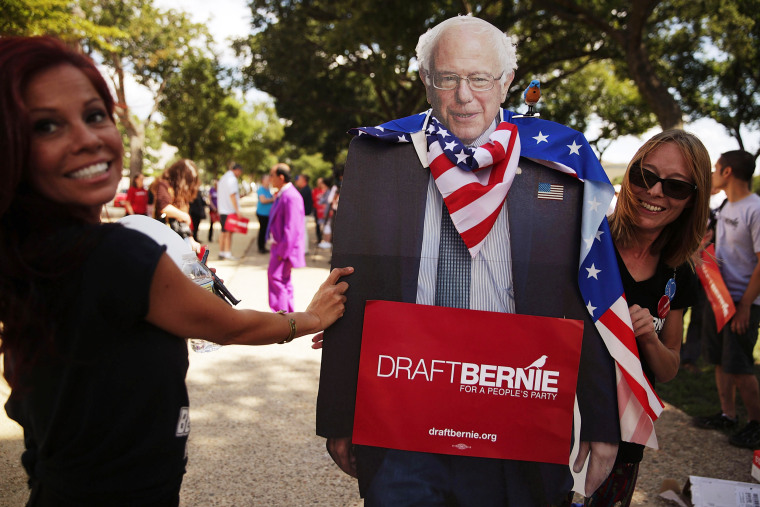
(566, 150)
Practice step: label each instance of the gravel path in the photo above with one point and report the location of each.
(684, 451)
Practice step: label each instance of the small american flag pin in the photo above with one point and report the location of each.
(551, 191)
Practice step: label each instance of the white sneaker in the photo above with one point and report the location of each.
(325, 245)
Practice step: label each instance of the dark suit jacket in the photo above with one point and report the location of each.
(378, 231)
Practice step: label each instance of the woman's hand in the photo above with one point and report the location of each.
(662, 352)
(184, 217)
(328, 303)
(643, 324)
(194, 245)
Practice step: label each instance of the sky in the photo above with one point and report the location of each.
(229, 19)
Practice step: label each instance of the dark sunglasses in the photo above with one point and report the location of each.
(677, 189)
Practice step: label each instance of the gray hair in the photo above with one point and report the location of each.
(504, 44)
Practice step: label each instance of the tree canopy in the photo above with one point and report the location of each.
(338, 64)
(50, 17)
(153, 46)
(724, 83)
(192, 104)
(606, 69)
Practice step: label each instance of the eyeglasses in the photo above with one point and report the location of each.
(677, 189)
(477, 82)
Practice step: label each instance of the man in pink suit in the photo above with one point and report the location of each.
(287, 232)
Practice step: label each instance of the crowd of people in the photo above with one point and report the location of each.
(320, 203)
(438, 208)
(176, 198)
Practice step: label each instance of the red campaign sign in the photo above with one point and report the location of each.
(467, 382)
(715, 288)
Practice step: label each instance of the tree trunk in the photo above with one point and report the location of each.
(136, 145)
(135, 131)
(654, 92)
(652, 89)
(630, 39)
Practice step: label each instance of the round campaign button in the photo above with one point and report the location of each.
(663, 307)
(670, 288)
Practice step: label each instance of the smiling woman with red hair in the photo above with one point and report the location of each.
(93, 316)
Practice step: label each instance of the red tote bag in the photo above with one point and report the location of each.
(236, 223)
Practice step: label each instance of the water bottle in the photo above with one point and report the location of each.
(200, 274)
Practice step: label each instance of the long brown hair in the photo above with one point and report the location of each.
(680, 238)
(182, 177)
(40, 241)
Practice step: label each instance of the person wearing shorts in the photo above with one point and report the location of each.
(228, 202)
(737, 247)
(730, 350)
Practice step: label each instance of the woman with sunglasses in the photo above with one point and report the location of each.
(657, 225)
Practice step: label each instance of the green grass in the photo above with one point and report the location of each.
(694, 393)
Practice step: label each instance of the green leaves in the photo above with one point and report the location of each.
(334, 65)
(51, 17)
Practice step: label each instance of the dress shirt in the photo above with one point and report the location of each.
(491, 270)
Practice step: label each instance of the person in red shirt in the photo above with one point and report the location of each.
(319, 206)
(137, 197)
